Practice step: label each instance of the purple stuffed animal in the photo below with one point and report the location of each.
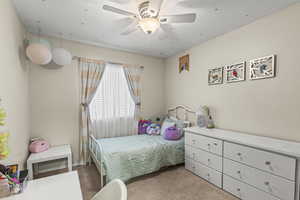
(172, 133)
(143, 125)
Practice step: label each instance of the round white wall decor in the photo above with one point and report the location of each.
(61, 56)
(39, 53)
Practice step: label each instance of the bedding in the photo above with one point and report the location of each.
(132, 156)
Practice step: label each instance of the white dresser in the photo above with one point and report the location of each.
(250, 167)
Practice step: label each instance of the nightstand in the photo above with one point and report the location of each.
(53, 153)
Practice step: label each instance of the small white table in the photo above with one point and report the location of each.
(64, 186)
(53, 153)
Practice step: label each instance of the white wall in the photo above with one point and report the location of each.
(269, 107)
(14, 83)
(55, 93)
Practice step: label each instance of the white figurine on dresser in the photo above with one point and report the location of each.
(250, 167)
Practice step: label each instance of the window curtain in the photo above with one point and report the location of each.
(112, 109)
(133, 78)
(91, 72)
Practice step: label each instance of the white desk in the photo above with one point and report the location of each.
(53, 153)
(58, 187)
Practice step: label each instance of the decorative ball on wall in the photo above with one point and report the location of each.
(39, 52)
(61, 56)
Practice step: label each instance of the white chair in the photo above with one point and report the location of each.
(115, 190)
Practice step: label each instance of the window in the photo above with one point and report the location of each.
(112, 109)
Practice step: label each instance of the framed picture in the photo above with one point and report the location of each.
(215, 76)
(184, 63)
(235, 73)
(262, 67)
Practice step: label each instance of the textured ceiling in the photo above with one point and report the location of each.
(85, 21)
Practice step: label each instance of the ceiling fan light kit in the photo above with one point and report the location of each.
(149, 25)
(148, 19)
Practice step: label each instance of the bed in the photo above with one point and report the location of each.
(132, 156)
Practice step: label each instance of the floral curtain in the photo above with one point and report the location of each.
(133, 77)
(91, 72)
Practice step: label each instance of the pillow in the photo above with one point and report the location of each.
(166, 124)
(172, 133)
(153, 129)
(143, 125)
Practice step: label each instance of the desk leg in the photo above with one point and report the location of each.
(30, 170)
(70, 163)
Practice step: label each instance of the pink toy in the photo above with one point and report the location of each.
(38, 146)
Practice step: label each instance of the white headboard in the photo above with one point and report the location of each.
(184, 109)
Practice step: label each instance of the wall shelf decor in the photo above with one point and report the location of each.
(261, 68)
(215, 76)
(235, 72)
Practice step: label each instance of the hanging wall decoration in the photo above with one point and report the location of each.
(39, 51)
(215, 76)
(61, 56)
(262, 67)
(235, 73)
(184, 63)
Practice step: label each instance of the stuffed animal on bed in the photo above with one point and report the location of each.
(172, 133)
(153, 129)
(143, 125)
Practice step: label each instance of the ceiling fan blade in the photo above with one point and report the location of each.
(184, 18)
(131, 28)
(118, 11)
(155, 6)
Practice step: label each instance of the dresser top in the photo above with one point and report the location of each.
(275, 145)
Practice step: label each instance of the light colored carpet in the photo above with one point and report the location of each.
(174, 183)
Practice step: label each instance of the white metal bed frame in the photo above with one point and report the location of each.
(93, 143)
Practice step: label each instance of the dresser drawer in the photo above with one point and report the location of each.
(206, 143)
(209, 159)
(244, 191)
(209, 174)
(270, 162)
(190, 165)
(275, 185)
(204, 157)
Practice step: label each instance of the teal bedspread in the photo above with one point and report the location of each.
(132, 156)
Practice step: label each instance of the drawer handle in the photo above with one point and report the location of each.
(208, 160)
(215, 144)
(268, 163)
(267, 183)
(208, 175)
(194, 141)
(239, 154)
(239, 172)
(238, 189)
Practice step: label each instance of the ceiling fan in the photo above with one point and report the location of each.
(148, 19)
